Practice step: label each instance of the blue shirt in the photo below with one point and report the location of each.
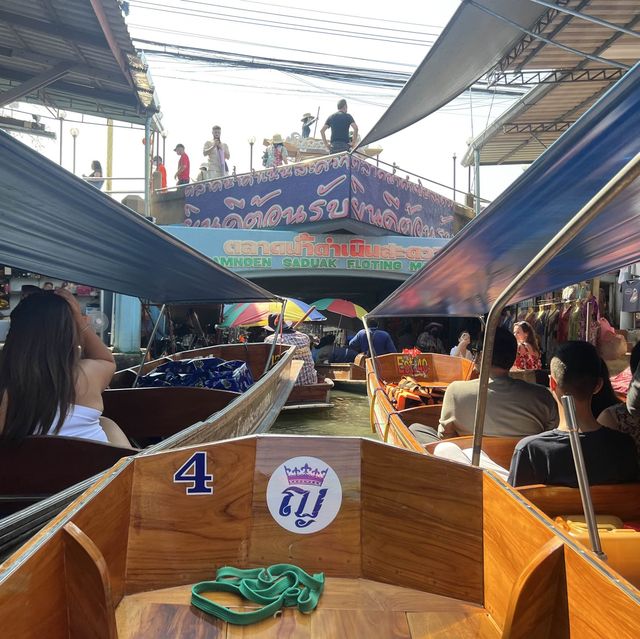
(382, 342)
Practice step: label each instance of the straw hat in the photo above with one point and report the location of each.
(306, 116)
(277, 139)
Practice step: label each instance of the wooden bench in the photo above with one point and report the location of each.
(43, 465)
(500, 449)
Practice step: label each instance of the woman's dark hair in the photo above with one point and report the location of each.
(530, 335)
(96, 166)
(38, 366)
(606, 396)
(634, 360)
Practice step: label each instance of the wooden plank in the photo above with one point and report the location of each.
(464, 623)
(512, 537)
(105, 520)
(598, 606)
(180, 538)
(37, 585)
(291, 624)
(171, 620)
(359, 623)
(421, 522)
(335, 549)
(89, 600)
(534, 597)
(621, 500)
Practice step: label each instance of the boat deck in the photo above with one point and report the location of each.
(347, 608)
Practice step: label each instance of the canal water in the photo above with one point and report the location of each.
(348, 417)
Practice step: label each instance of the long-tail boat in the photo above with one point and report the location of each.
(402, 545)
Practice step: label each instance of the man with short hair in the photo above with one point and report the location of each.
(515, 408)
(184, 166)
(610, 456)
(382, 342)
(340, 123)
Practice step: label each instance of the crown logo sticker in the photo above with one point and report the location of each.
(305, 476)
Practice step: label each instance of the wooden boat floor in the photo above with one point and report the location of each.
(347, 608)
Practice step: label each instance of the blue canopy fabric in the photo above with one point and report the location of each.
(53, 223)
(484, 258)
(472, 42)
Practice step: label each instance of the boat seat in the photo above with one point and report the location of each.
(499, 449)
(43, 465)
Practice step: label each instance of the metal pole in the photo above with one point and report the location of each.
(153, 334)
(454, 177)
(275, 337)
(476, 166)
(61, 121)
(109, 184)
(582, 218)
(315, 126)
(372, 353)
(147, 166)
(581, 472)
(251, 156)
(74, 154)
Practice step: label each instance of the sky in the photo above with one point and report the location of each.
(195, 95)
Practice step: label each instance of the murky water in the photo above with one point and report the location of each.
(349, 416)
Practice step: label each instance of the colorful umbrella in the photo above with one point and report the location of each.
(257, 313)
(340, 307)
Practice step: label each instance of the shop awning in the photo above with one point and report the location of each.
(54, 223)
(475, 267)
(472, 42)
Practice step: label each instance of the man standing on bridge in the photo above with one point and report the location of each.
(340, 123)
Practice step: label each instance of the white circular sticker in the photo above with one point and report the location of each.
(304, 495)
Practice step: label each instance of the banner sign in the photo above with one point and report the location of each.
(285, 251)
(325, 190)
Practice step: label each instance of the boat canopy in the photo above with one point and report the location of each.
(472, 42)
(56, 224)
(485, 257)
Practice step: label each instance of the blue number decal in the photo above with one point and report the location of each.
(194, 472)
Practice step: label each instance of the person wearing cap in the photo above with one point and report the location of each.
(217, 154)
(307, 120)
(184, 166)
(340, 123)
(429, 340)
(302, 343)
(203, 174)
(277, 154)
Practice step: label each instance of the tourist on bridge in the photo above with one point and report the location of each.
(307, 121)
(340, 123)
(217, 153)
(184, 166)
(160, 168)
(289, 336)
(381, 340)
(276, 154)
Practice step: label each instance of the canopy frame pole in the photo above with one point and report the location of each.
(277, 331)
(627, 174)
(151, 337)
(569, 406)
(476, 169)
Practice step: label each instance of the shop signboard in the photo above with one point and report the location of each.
(286, 251)
(325, 190)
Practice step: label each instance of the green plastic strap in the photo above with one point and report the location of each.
(275, 587)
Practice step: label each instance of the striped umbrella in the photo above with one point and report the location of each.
(257, 313)
(340, 307)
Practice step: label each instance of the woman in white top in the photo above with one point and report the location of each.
(53, 371)
(461, 348)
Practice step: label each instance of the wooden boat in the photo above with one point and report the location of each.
(401, 556)
(391, 417)
(167, 417)
(255, 354)
(346, 377)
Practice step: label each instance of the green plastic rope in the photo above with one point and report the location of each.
(275, 587)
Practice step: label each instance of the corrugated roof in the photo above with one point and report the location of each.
(565, 83)
(105, 75)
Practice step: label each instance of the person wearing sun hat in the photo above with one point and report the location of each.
(276, 154)
(307, 120)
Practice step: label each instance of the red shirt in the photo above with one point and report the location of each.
(183, 167)
(163, 175)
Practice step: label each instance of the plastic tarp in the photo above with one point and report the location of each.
(56, 224)
(484, 258)
(472, 43)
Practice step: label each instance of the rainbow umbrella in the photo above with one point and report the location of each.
(340, 307)
(257, 313)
